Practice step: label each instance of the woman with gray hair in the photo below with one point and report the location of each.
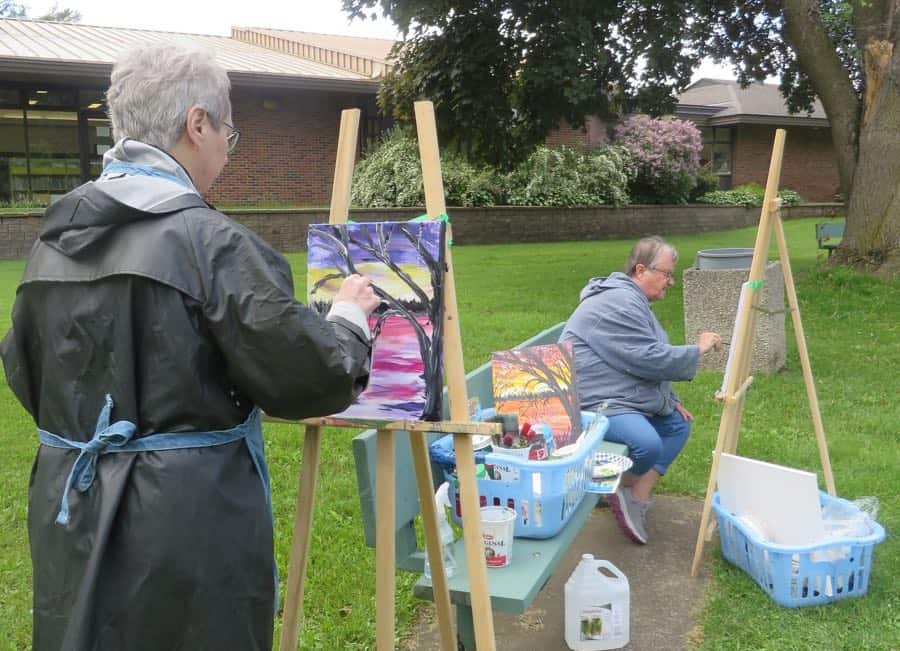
(149, 331)
(623, 359)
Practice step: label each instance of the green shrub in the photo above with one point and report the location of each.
(707, 181)
(390, 175)
(790, 198)
(562, 176)
(748, 195)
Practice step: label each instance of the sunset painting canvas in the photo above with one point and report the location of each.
(405, 262)
(538, 384)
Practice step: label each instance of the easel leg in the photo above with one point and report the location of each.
(474, 544)
(440, 589)
(804, 356)
(385, 541)
(293, 597)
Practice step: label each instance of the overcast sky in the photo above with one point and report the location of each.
(205, 17)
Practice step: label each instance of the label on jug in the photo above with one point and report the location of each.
(601, 622)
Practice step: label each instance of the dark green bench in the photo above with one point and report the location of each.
(827, 233)
(512, 588)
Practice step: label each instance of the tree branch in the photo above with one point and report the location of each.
(805, 31)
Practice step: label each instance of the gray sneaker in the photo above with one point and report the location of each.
(631, 514)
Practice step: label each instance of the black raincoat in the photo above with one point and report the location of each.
(187, 320)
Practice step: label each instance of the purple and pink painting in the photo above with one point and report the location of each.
(405, 262)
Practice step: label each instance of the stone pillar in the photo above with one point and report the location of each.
(710, 305)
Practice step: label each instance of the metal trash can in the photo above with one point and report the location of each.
(724, 259)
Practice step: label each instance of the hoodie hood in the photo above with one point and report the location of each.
(138, 182)
(142, 175)
(598, 284)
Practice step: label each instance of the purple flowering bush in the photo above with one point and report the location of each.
(666, 154)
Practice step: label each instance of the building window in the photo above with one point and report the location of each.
(53, 153)
(51, 141)
(717, 153)
(13, 158)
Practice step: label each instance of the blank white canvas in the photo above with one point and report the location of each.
(783, 503)
(735, 338)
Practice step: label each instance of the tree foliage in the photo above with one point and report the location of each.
(502, 73)
(58, 15)
(11, 9)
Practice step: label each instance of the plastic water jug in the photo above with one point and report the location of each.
(597, 606)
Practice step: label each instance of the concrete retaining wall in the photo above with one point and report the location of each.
(286, 229)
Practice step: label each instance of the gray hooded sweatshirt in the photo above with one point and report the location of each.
(622, 354)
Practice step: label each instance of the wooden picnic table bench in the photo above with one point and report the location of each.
(512, 588)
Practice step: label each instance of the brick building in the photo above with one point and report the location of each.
(738, 127)
(288, 89)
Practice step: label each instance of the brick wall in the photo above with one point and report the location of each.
(286, 229)
(287, 150)
(592, 134)
(808, 166)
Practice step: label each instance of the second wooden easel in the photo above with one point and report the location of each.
(458, 426)
(738, 379)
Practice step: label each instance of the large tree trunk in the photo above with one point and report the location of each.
(872, 238)
(806, 33)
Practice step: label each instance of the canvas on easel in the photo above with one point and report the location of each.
(405, 263)
(459, 426)
(738, 378)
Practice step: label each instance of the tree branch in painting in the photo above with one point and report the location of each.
(548, 377)
(373, 242)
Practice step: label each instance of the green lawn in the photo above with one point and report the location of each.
(507, 293)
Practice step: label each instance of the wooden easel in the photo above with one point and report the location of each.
(385, 498)
(739, 380)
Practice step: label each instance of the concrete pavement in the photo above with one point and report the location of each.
(664, 598)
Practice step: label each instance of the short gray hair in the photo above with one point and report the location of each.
(152, 88)
(646, 252)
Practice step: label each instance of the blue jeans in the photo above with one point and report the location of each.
(653, 442)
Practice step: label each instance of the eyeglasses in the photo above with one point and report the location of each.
(232, 138)
(670, 275)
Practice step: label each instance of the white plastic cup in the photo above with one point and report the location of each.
(497, 526)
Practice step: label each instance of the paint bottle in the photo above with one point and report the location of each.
(596, 606)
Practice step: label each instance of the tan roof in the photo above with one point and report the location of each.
(727, 103)
(51, 42)
(373, 48)
(367, 56)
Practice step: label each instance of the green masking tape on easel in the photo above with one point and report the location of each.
(756, 285)
(442, 217)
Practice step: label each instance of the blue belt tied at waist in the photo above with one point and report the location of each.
(116, 437)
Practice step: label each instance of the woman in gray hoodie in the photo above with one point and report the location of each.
(623, 358)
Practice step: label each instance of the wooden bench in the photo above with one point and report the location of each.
(512, 588)
(827, 232)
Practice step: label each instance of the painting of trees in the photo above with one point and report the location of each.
(404, 261)
(538, 384)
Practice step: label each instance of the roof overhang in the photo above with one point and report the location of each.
(44, 70)
(705, 116)
(296, 82)
(768, 120)
(93, 73)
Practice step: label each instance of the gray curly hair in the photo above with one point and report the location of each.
(152, 87)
